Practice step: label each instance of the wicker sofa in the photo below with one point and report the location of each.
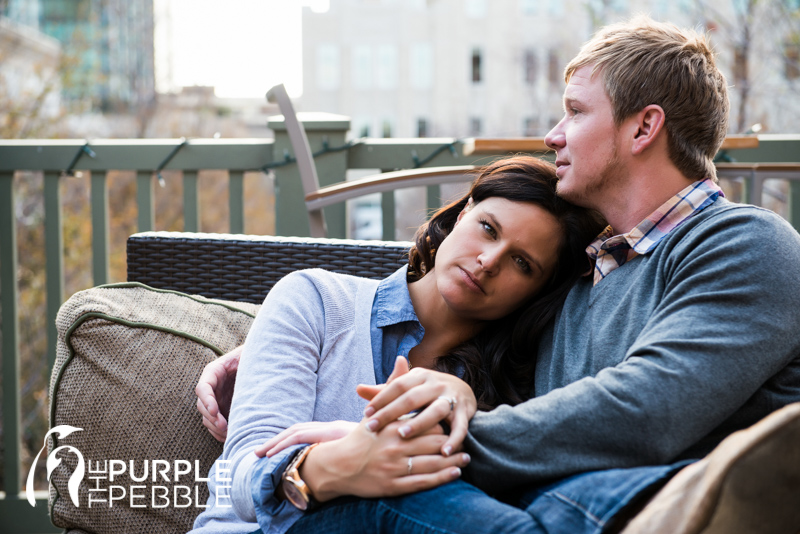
(130, 354)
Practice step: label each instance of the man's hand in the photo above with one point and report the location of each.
(312, 432)
(376, 464)
(440, 396)
(215, 391)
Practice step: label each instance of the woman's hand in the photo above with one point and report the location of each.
(214, 392)
(440, 396)
(313, 432)
(379, 464)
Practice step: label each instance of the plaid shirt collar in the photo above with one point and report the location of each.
(610, 251)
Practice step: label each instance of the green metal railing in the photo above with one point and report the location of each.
(327, 136)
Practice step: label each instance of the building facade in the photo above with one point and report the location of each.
(470, 68)
(463, 68)
(29, 80)
(108, 44)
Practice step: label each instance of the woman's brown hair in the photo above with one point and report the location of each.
(499, 362)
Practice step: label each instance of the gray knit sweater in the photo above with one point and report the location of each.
(662, 359)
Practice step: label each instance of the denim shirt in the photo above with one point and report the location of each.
(394, 327)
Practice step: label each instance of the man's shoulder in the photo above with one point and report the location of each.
(723, 208)
(735, 224)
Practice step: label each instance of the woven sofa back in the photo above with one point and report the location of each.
(244, 268)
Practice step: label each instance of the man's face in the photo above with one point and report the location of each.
(586, 142)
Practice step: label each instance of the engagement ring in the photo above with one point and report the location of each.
(451, 400)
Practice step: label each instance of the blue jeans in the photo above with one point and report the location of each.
(592, 502)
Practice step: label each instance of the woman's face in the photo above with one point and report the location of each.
(499, 254)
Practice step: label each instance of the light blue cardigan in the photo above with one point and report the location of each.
(316, 360)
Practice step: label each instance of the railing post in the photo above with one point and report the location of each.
(755, 189)
(388, 217)
(144, 201)
(433, 193)
(322, 129)
(10, 322)
(236, 201)
(191, 202)
(54, 250)
(794, 204)
(99, 228)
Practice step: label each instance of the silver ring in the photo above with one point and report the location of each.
(410, 465)
(451, 400)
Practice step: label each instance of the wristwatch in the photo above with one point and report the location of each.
(294, 488)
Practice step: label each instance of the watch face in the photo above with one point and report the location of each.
(294, 496)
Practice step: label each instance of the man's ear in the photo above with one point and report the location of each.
(649, 124)
(469, 206)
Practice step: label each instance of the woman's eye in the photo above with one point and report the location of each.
(523, 264)
(488, 228)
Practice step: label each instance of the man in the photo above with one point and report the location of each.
(687, 331)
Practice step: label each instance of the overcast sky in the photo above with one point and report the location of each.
(241, 47)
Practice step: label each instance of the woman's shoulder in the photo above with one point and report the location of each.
(322, 278)
(332, 290)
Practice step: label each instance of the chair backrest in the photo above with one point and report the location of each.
(316, 198)
(244, 268)
(303, 155)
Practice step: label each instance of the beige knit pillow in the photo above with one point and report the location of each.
(128, 360)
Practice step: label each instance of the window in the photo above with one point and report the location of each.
(530, 67)
(422, 128)
(327, 67)
(620, 6)
(475, 126)
(26, 13)
(421, 66)
(739, 65)
(476, 9)
(361, 67)
(360, 125)
(319, 6)
(529, 126)
(386, 67)
(529, 6)
(476, 65)
(555, 8)
(554, 67)
(791, 58)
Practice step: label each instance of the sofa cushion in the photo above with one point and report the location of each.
(128, 360)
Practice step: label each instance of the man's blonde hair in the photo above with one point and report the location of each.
(645, 62)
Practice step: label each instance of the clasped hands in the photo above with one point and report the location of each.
(384, 454)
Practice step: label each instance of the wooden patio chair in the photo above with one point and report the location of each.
(317, 198)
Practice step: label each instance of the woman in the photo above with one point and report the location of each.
(485, 275)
